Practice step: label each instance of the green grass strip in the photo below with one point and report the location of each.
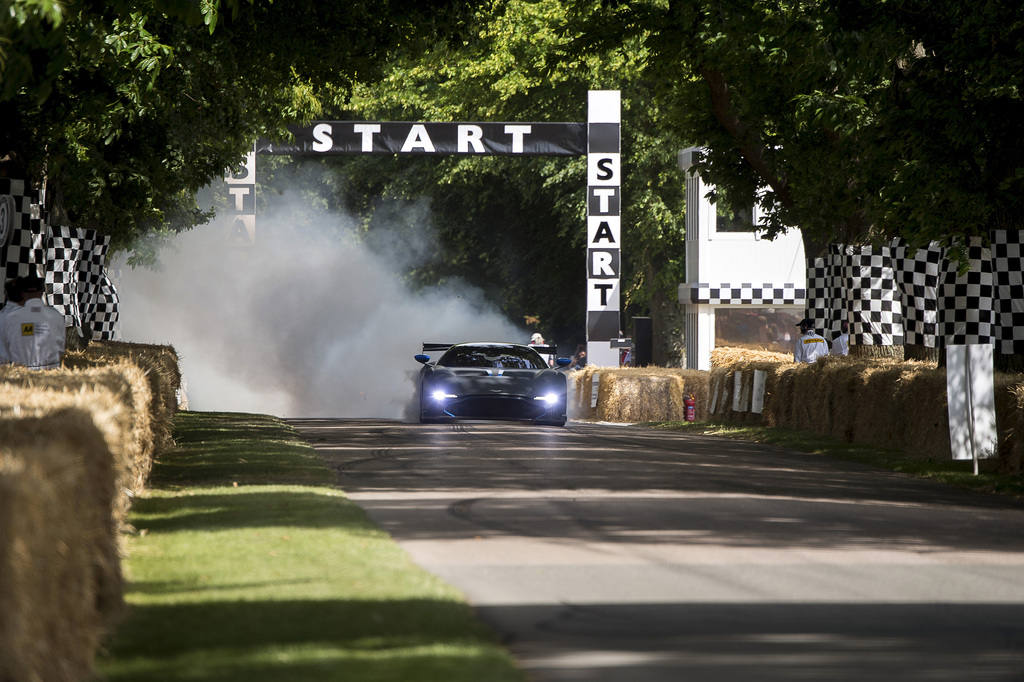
(955, 473)
(246, 565)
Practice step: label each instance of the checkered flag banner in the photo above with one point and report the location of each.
(1008, 271)
(966, 315)
(872, 297)
(24, 251)
(97, 298)
(746, 294)
(917, 276)
(62, 251)
(820, 293)
(77, 283)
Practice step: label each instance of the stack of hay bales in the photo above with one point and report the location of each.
(76, 445)
(160, 367)
(635, 394)
(883, 402)
(60, 576)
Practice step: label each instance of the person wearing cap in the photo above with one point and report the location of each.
(33, 334)
(538, 340)
(810, 346)
(841, 344)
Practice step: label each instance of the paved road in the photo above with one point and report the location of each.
(607, 552)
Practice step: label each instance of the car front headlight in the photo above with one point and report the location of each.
(440, 395)
(548, 398)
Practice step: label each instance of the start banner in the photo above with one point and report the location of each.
(367, 137)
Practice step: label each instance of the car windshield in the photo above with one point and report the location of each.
(505, 357)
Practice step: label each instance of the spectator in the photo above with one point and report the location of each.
(841, 344)
(809, 346)
(33, 334)
(12, 300)
(538, 340)
(579, 358)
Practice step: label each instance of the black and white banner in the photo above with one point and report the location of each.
(369, 137)
(604, 228)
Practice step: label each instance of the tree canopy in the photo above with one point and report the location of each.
(125, 109)
(853, 120)
(516, 227)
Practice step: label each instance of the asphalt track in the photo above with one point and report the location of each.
(609, 552)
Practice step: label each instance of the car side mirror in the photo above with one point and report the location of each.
(563, 362)
(422, 359)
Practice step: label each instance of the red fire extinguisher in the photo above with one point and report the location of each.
(691, 408)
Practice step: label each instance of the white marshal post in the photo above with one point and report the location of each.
(604, 229)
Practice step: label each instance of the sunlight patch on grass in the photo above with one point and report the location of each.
(279, 577)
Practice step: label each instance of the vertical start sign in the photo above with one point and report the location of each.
(240, 227)
(604, 227)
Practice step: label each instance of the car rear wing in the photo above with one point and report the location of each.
(543, 349)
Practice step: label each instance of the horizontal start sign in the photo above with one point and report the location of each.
(366, 137)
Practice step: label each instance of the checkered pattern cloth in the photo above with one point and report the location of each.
(917, 276)
(872, 297)
(97, 297)
(821, 295)
(77, 282)
(62, 251)
(966, 315)
(24, 253)
(1008, 271)
(761, 294)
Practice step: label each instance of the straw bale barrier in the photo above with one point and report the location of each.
(118, 396)
(635, 394)
(60, 578)
(886, 402)
(160, 366)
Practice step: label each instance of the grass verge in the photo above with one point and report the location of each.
(950, 472)
(245, 564)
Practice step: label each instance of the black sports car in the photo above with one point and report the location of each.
(491, 381)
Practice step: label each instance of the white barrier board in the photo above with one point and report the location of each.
(971, 400)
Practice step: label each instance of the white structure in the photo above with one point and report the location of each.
(739, 287)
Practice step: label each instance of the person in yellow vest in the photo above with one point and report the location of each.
(33, 334)
(810, 346)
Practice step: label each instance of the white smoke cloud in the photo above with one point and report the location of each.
(311, 322)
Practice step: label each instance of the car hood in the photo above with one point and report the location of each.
(489, 380)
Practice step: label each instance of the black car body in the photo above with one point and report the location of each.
(491, 381)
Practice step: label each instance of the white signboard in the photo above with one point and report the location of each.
(971, 400)
(757, 402)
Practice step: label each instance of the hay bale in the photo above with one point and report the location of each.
(638, 396)
(635, 394)
(1012, 430)
(117, 398)
(161, 369)
(729, 356)
(61, 588)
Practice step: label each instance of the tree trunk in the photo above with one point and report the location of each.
(1011, 364)
(73, 339)
(667, 320)
(895, 352)
(915, 351)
